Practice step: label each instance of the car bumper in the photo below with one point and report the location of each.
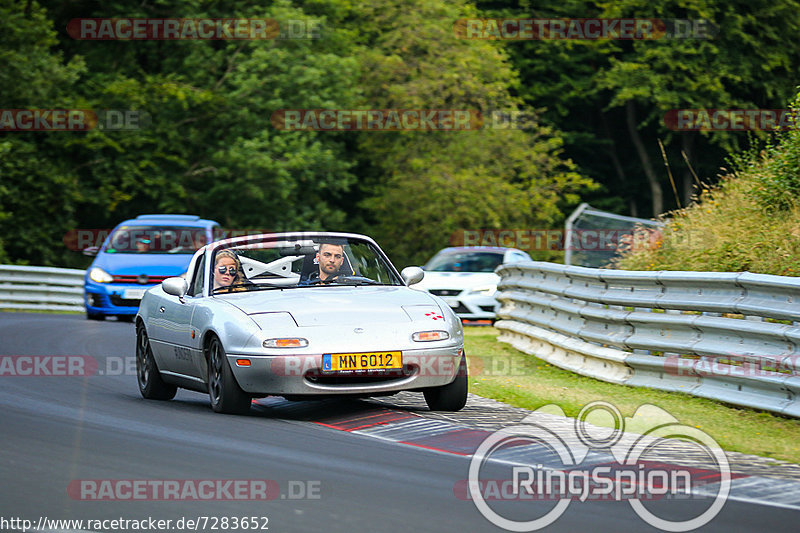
(112, 298)
(303, 374)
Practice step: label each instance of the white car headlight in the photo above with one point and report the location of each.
(428, 336)
(486, 290)
(100, 276)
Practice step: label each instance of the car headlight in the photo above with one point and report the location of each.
(100, 276)
(486, 290)
(294, 342)
(428, 336)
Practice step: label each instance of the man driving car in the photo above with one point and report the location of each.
(330, 258)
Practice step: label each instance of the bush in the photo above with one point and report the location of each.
(729, 228)
(779, 183)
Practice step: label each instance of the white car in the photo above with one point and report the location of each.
(300, 315)
(464, 278)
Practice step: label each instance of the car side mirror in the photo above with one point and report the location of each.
(175, 286)
(91, 251)
(412, 275)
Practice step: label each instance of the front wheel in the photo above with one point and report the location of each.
(450, 397)
(225, 394)
(151, 385)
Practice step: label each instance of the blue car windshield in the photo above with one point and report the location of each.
(465, 261)
(156, 240)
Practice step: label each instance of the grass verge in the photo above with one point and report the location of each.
(508, 375)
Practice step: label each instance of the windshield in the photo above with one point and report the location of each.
(296, 262)
(156, 240)
(465, 261)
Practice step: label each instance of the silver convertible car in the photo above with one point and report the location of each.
(298, 315)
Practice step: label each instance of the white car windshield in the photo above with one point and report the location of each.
(465, 261)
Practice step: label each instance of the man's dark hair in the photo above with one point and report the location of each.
(333, 242)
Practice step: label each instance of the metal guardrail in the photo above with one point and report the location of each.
(732, 337)
(42, 288)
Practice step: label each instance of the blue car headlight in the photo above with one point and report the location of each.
(100, 276)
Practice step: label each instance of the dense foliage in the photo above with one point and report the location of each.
(747, 222)
(595, 112)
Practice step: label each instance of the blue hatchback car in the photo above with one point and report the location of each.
(139, 254)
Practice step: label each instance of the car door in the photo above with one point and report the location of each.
(172, 329)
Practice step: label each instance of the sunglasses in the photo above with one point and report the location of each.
(229, 270)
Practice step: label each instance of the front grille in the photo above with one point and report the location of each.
(352, 380)
(119, 301)
(361, 378)
(461, 309)
(446, 292)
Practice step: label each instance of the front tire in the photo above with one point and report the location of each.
(450, 397)
(225, 394)
(151, 385)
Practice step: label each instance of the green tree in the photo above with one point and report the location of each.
(609, 97)
(36, 186)
(427, 185)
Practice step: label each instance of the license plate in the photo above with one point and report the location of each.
(353, 362)
(133, 294)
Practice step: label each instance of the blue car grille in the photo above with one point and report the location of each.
(119, 301)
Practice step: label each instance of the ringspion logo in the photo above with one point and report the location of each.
(627, 476)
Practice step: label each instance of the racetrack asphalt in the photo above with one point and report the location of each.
(57, 431)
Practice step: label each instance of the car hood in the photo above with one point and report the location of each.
(456, 280)
(332, 306)
(150, 264)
